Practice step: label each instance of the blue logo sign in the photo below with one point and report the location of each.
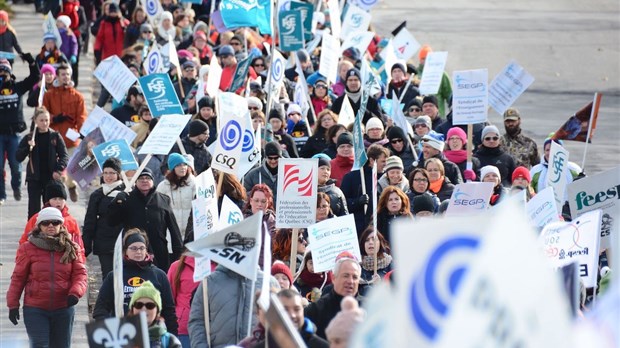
(160, 95)
(231, 135)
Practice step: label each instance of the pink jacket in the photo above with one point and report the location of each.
(182, 293)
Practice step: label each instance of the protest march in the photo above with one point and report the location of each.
(286, 174)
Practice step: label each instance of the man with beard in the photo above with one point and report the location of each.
(522, 148)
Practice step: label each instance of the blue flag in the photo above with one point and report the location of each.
(160, 95)
(240, 73)
(247, 13)
(116, 148)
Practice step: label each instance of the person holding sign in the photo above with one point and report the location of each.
(457, 154)
(179, 186)
(373, 246)
(540, 171)
(309, 283)
(491, 153)
(392, 204)
(353, 90)
(398, 84)
(491, 174)
(49, 72)
(267, 172)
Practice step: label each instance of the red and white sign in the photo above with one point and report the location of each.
(297, 190)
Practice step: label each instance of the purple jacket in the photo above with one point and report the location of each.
(69, 45)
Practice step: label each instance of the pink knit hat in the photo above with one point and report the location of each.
(457, 131)
(48, 68)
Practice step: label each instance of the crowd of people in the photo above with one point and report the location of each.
(417, 169)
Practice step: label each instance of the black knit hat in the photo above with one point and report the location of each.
(324, 162)
(197, 127)
(206, 102)
(276, 113)
(112, 163)
(54, 189)
(430, 99)
(396, 133)
(423, 202)
(273, 149)
(354, 72)
(345, 138)
(398, 66)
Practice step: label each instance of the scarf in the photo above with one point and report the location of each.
(110, 188)
(354, 96)
(456, 156)
(436, 186)
(368, 262)
(156, 331)
(163, 33)
(61, 242)
(314, 280)
(398, 85)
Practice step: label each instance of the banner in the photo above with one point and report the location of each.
(507, 86)
(470, 198)
(355, 19)
(164, 135)
(115, 76)
(557, 172)
(375, 331)
(116, 148)
(229, 143)
(153, 10)
(263, 300)
(405, 45)
(236, 247)
(290, 31)
(331, 237)
(358, 145)
(276, 74)
(432, 74)
(399, 118)
(346, 115)
(82, 165)
(49, 26)
(230, 214)
(307, 10)
(600, 191)
(297, 192)
(575, 241)
(541, 209)
(241, 72)
(250, 152)
(129, 331)
(470, 98)
(328, 65)
(205, 221)
(576, 128)
(246, 13)
(111, 128)
(215, 75)
(160, 95)
(117, 277)
(205, 185)
(334, 17)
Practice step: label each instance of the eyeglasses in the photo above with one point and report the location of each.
(51, 222)
(415, 109)
(420, 125)
(396, 141)
(189, 68)
(273, 158)
(420, 180)
(256, 200)
(137, 248)
(148, 305)
(321, 86)
(491, 138)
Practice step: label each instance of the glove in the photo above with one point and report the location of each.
(121, 197)
(72, 300)
(28, 58)
(14, 315)
(73, 60)
(59, 118)
(363, 199)
(469, 175)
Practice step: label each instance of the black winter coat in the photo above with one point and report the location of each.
(372, 108)
(323, 311)
(315, 144)
(11, 107)
(384, 221)
(57, 156)
(98, 236)
(338, 202)
(452, 171)
(499, 158)
(351, 186)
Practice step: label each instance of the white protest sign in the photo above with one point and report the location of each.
(355, 19)
(117, 277)
(541, 209)
(470, 198)
(432, 74)
(334, 15)
(153, 10)
(364, 4)
(215, 76)
(600, 191)
(507, 86)
(205, 185)
(405, 45)
(115, 76)
(346, 115)
(508, 302)
(230, 214)
(297, 191)
(229, 143)
(359, 40)
(235, 247)
(399, 117)
(328, 65)
(42, 90)
(154, 61)
(164, 135)
(250, 153)
(470, 96)
(276, 74)
(557, 172)
(49, 26)
(375, 330)
(263, 300)
(575, 241)
(389, 57)
(111, 128)
(205, 221)
(331, 237)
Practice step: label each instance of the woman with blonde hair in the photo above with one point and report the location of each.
(439, 182)
(317, 143)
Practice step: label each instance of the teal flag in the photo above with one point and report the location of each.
(240, 73)
(290, 30)
(307, 10)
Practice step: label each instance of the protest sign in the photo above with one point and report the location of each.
(215, 76)
(153, 10)
(355, 19)
(236, 14)
(276, 74)
(470, 99)
(205, 221)
(115, 76)
(205, 185)
(346, 115)
(359, 150)
(365, 4)
(129, 331)
(557, 172)
(281, 328)
(503, 302)
(241, 72)
(399, 117)
(432, 74)
(117, 276)
(507, 86)
(297, 191)
(405, 45)
(164, 135)
(160, 95)
(359, 40)
(250, 152)
(263, 300)
(236, 247)
(118, 149)
(111, 128)
(334, 17)
(328, 65)
(82, 165)
(541, 209)
(229, 143)
(575, 241)
(49, 26)
(600, 191)
(331, 237)
(375, 330)
(230, 214)
(306, 9)
(470, 198)
(290, 31)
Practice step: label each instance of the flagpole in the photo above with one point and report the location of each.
(470, 145)
(293, 260)
(210, 20)
(595, 104)
(207, 315)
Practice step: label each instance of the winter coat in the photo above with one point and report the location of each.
(254, 176)
(522, 148)
(352, 189)
(202, 156)
(320, 104)
(44, 280)
(409, 94)
(444, 127)
(539, 172)
(307, 333)
(287, 143)
(323, 311)
(451, 170)
(110, 38)
(57, 156)
(315, 144)
(230, 300)
(54, 57)
(183, 294)
(340, 167)
(99, 237)
(153, 214)
(70, 224)
(385, 220)
(412, 194)
(126, 114)
(475, 165)
(372, 108)
(68, 101)
(11, 107)
(299, 132)
(446, 189)
(499, 158)
(134, 275)
(338, 202)
(8, 41)
(69, 45)
(180, 200)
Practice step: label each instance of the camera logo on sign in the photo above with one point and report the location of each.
(295, 183)
(234, 239)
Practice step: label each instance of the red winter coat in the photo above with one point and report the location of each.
(70, 9)
(183, 295)
(45, 282)
(110, 38)
(340, 167)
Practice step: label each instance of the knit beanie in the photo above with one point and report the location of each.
(324, 159)
(65, 20)
(396, 133)
(175, 159)
(49, 213)
(54, 189)
(112, 163)
(374, 123)
(147, 172)
(394, 162)
(280, 267)
(206, 102)
(255, 102)
(345, 322)
(292, 109)
(48, 68)
(430, 99)
(197, 127)
(49, 36)
(489, 169)
(275, 113)
(146, 290)
(487, 130)
(414, 101)
(353, 72)
(457, 131)
(423, 202)
(398, 66)
(345, 138)
(521, 172)
(434, 143)
(273, 149)
(425, 120)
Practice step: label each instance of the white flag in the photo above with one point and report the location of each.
(154, 61)
(213, 81)
(230, 214)
(557, 174)
(250, 153)
(399, 117)
(346, 116)
(405, 45)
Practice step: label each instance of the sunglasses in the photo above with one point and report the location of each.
(273, 158)
(491, 138)
(396, 141)
(51, 222)
(261, 65)
(321, 86)
(415, 109)
(149, 305)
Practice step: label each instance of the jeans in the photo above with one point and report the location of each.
(8, 144)
(47, 329)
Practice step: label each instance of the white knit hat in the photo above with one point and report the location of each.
(65, 20)
(49, 213)
(489, 169)
(374, 123)
(255, 102)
